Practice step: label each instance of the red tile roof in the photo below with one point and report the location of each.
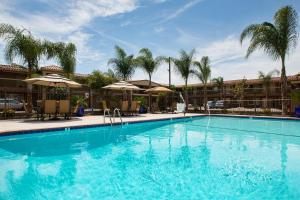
(13, 68)
(144, 83)
(52, 68)
(248, 81)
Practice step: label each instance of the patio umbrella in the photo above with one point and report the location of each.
(54, 80)
(159, 89)
(122, 85)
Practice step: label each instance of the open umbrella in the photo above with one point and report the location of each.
(122, 85)
(54, 80)
(159, 89)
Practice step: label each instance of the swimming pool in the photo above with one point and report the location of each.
(198, 158)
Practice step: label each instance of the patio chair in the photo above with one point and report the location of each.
(155, 108)
(103, 105)
(50, 107)
(134, 107)
(124, 107)
(64, 108)
(173, 107)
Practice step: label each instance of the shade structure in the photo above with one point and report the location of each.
(121, 85)
(54, 80)
(159, 89)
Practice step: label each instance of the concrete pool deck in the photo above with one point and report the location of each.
(23, 125)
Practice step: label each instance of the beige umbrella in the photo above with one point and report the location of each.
(121, 85)
(54, 80)
(159, 89)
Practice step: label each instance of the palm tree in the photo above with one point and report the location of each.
(276, 40)
(219, 81)
(267, 81)
(183, 66)
(20, 43)
(123, 64)
(65, 53)
(149, 64)
(203, 73)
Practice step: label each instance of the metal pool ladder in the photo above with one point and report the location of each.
(107, 111)
(117, 111)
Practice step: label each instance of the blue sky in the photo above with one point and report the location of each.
(212, 27)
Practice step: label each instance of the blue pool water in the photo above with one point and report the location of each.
(199, 158)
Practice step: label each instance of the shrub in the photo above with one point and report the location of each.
(8, 113)
(267, 111)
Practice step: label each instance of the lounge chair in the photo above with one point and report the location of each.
(50, 107)
(64, 108)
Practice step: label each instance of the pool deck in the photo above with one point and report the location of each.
(16, 126)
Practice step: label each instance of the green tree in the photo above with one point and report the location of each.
(149, 64)
(219, 81)
(239, 91)
(65, 54)
(124, 65)
(184, 67)
(97, 80)
(267, 81)
(276, 40)
(21, 44)
(203, 73)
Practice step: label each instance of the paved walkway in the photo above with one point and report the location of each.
(30, 124)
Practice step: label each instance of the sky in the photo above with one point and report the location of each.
(212, 27)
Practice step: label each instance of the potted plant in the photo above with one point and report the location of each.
(142, 101)
(79, 104)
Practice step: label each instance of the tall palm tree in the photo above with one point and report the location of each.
(183, 66)
(276, 40)
(123, 64)
(219, 81)
(20, 43)
(65, 53)
(149, 64)
(267, 81)
(203, 73)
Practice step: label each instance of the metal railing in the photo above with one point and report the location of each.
(248, 107)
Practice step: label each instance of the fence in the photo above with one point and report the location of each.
(248, 107)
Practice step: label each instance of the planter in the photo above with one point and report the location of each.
(142, 110)
(297, 111)
(80, 111)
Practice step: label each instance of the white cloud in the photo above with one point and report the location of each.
(179, 11)
(64, 20)
(75, 14)
(228, 59)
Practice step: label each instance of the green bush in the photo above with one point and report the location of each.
(267, 111)
(296, 97)
(8, 113)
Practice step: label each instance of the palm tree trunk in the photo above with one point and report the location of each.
(186, 96)
(29, 90)
(267, 97)
(283, 87)
(149, 100)
(205, 97)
